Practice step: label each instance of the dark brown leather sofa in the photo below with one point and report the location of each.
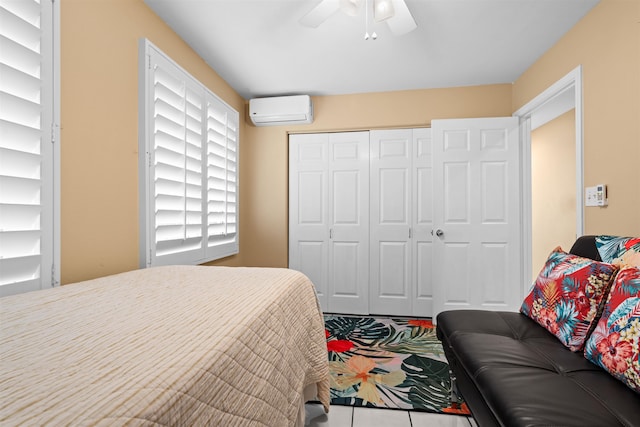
(513, 372)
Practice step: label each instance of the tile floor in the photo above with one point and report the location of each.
(347, 416)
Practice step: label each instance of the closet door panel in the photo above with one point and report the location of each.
(345, 275)
(309, 252)
(311, 209)
(422, 224)
(348, 286)
(393, 195)
(392, 269)
(390, 253)
(308, 209)
(346, 206)
(422, 269)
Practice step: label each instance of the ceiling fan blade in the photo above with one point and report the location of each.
(320, 13)
(402, 22)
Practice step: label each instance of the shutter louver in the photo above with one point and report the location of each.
(21, 139)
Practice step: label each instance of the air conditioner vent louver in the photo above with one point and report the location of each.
(281, 110)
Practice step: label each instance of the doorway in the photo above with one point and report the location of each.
(553, 105)
(553, 192)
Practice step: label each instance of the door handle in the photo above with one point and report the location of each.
(438, 233)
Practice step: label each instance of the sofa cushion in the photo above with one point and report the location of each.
(527, 377)
(614, 343)
(623, 251)
(568, 295)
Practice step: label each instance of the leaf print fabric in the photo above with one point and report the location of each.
(568, 295)
(613, 345)
(622, 251)
(359, 373)
(388, 363)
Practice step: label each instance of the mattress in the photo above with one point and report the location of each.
(176, 345)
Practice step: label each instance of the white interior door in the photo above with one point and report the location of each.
(477, 253)
(348, 286)
(391, 275)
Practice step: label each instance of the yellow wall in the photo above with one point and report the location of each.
(263, 194)
(553, 188)
(606, 42)
(99, 129)
(99, 151)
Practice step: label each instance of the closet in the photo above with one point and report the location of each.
(409, 222)
(360, 218)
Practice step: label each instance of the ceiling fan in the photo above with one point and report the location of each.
(394, 12)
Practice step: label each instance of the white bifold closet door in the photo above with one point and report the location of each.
(401, 215)
(329, 217)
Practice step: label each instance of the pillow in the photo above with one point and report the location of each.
(613, 345)
(568, 295)
(623, 251)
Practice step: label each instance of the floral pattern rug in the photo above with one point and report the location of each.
(388, 363)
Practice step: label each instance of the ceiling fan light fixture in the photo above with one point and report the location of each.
(382, 10)
(350, 7)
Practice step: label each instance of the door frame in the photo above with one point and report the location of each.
(560, 97)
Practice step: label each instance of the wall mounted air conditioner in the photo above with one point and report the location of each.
(281, 110)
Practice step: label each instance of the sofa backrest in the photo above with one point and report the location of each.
(585, 246)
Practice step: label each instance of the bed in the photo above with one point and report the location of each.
(176, 345)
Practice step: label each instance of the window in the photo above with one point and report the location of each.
(29, 153)
(188, 166)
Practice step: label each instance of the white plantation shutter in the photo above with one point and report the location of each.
(222, 168)
(176, 161)
(188, 171)
(26, 146)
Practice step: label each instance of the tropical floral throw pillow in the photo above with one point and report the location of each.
(568, 295)
(614, 342)
(623, 251)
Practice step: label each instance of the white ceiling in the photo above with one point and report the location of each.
(260, 48)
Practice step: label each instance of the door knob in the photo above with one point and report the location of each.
(439, 232)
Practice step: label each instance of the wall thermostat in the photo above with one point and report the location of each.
(596, 195)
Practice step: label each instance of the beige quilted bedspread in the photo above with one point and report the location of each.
(179, 345)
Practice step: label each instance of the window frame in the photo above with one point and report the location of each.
(150, 254)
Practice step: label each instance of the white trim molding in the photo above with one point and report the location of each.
(549, 104)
